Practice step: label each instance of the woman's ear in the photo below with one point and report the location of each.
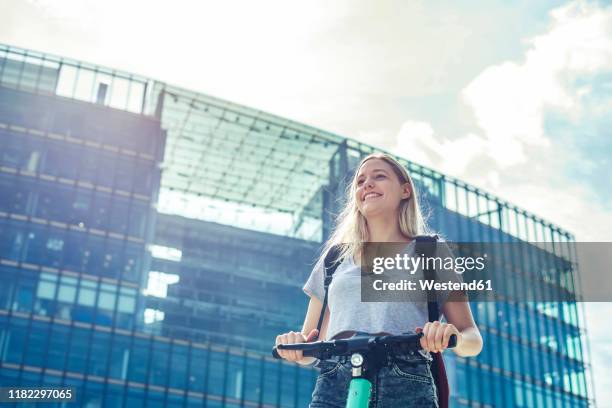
(406, 193)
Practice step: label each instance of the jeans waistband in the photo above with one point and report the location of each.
(415, 356)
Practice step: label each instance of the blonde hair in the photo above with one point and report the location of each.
(351, 230)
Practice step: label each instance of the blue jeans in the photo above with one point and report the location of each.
(404, 381)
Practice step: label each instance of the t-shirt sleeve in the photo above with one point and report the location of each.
(315, 284)
(446, 274)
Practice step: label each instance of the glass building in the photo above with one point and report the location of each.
(154, 241)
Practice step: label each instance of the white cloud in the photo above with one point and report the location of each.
(507, 104)
(512, 155)
(510, 100)
(418, 142)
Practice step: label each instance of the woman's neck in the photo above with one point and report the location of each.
(385, 229)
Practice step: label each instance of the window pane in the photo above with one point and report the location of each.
(112, 258)
(58, 347)
(20, 195)
(7, 184)
(54, 248)
(35, 243)
(17, 338)
(137, 221)
(87, 296)
(30, 74)
(120, 357)
(48, 77)
(85, 85)
(124, 174)
(25, 291)
(60, 161)
(100, 348)
(12, 239)
(159, 364)
(217, 366)
(127, 304)
(198, 369)
(101, 211)
(97, 254)
(119, 215)
(105, 168)
(136, 97)
(79, 343)
(37, 344)
(133, 262)
(75, 251)
(119, 95)
(46, 286)
(179, 366)
(87, 166)
(9, 276)
(67, 291)
(80, 213)
(106, 300)
(12, 70)
(67, 80)
(143, 177)
(139, 361)
(54, 201)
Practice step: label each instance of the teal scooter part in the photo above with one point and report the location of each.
(359, 393)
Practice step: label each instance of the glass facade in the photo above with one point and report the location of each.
(231, 286)
(154, 241)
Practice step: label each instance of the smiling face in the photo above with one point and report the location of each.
(378, 189)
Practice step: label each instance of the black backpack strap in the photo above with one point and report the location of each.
(331, 264)
(426, 245)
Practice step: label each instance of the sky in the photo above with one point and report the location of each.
(513, 97)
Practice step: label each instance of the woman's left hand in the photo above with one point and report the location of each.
(436, 335)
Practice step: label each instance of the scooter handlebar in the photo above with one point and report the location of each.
(313, 349)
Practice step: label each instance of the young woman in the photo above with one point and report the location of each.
(382, 206)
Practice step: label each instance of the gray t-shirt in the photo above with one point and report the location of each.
(349, 313)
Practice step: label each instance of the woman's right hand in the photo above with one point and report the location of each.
(292, 338)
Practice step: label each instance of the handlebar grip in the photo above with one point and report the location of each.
(452, 341)
(287, 347)
(305, 353)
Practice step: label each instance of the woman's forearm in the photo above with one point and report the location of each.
(470, 344)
